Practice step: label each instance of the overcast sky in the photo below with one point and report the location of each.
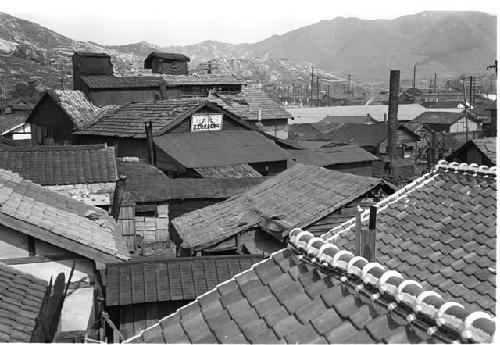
(181, 22)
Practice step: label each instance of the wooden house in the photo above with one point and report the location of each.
(108, 89)
(479, 151)
(258, 221)
(151, 200)
(188, 135)
(43, 233)
(254, 106)
(448, 122)
(139, 293)
(58, 114)
(167, 63)
(83, 172)
(346, 158)
(373, 138)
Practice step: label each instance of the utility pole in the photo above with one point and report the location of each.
(312, 85)
(471, 92)
(435, 81)
(317, 91)
(349, 84)
(413, 85)
(329, 99)
(465, 112)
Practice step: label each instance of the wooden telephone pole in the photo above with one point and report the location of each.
(393, 116)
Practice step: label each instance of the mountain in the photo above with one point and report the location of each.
(449, 43)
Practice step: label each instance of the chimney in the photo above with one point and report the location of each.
(118, 196)
(364, 239)
(85, 64)
(151, 148)
(393, 116)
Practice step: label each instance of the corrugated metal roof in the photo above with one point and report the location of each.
(61, 221)
(296, 197)
(61, 165)
(114, 82)
(220, 148)
(139, 282)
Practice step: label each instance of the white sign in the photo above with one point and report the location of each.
(206, 122)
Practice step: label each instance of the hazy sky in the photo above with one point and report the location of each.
(167, 22)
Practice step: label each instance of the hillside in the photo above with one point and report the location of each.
(448, 43)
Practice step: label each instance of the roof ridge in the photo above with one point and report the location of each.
(467, 168)
(476, 326)
(214, 289)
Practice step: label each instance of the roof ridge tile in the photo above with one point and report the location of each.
(476, 326)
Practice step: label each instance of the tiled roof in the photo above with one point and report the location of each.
(21, 297)
(440, 229)
(358, 134)
(75, 105)
(229, 171)
(220, 148)
(248, 103)
(201, 79)
(59, 220)
(8, 142)
(113, 82)
(171, 279)
(305, 131)
(314, 292)
(315, 191)
(332, 155)
(438, 117)
(11, 122)
(61, 165)
(128, 120)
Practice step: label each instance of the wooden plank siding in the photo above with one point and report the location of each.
(50, 124)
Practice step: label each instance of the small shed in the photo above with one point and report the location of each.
(480, 151)
(58, 114)
(167, 63)
(139, 293)
(83, 172)
(449, 122)
(303, 196)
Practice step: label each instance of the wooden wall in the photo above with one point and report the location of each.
(360, 168)
(110, 97)
(270, 168)
(50, 124)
